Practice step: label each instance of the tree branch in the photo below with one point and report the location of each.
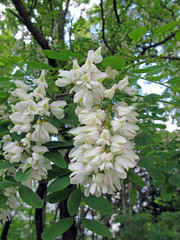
(167, 57)
(103, 28)
(25, 19)
(115, 10)
(157, 44)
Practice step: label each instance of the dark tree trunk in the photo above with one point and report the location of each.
(40, 212)
(5, 230)
(71, 233)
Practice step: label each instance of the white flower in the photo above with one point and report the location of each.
(22, 94)
(106, 159)
(39, 92)
(22, 85)
(41, 132)
(95, 57)
(57, 108)
(131, 91)
(111, 73)
(109, 93)
(12, 151)
(104, 138)
(117, 123)
(43, 107)
(117, 143)
(41, 80)
(92, 116)
(123, 84)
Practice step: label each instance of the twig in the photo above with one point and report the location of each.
(23, 16)
(157, 44)
(115, 10)
(103, 28)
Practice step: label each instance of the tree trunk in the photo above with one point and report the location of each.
(40, 212)
(71, 233)
(5, 230)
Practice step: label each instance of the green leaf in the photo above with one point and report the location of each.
(146, 162)
(98, 203)
(59, 145)
(73, 202)
(58, 196)
(133, 196)
(154, 79)
(174, 180)
(177, 36)
(114, 62)
(167, 192)
(40, 65)
(59, 184)
(71, 54)
(158, 177)
(174, 80)
(5, 184)
(152, 98)
(55, 55)
(57, 172)
(136, 179)
(5, 165)
(70, 117)
(96, 227)
(166, 27)
(3, 200)
(22, 176)
(56, 158)
(143, 139)
(57, 229)
(29, 197)
(138, 33)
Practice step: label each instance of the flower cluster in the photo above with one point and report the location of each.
(29, 116)
(11, 204)
(103, 151)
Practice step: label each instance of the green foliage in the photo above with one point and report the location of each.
(73, 202)
(138, 33)
(56, 158)
(22, 176)
(29, 197)
(114, 62)
(96, 227)
(57, 229)
(98, 203)
(59, 184)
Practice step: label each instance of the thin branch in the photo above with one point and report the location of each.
(129, 4)
(103, 28)
(25, 19)
(168, 9)
(115, 10)
(166, 57)
(33, 5)
(157, 44)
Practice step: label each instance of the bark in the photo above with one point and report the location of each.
(40, 212)
(71, 233)
(5, 230)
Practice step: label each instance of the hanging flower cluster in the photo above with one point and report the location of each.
(29, 117)
(103, 151)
